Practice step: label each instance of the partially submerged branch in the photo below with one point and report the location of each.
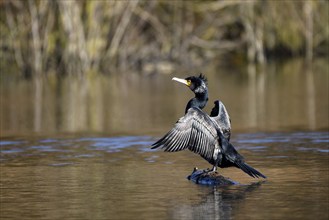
(204, 177)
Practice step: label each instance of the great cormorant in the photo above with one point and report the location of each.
(205, 135)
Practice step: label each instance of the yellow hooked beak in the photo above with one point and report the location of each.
(184, 81)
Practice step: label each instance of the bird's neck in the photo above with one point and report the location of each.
(200, 100)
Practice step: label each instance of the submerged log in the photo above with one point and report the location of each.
(204, 177)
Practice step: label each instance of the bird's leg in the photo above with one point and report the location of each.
(214, 168)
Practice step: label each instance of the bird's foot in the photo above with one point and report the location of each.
(210, 171)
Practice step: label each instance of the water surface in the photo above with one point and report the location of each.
(121, 178)
(280, 96)
(78, 148)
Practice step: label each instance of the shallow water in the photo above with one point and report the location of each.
(93, 177)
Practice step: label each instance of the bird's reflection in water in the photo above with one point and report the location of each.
(218, 202)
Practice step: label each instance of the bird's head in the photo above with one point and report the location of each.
(198, 84)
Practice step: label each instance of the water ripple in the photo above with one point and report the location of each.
(4, 143)
(301, 141)
(280, 144)
(116, 144)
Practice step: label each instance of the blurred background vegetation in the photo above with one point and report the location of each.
(92, 66)
(64, 37)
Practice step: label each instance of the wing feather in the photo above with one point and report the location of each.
(195, 131)
(220, 115)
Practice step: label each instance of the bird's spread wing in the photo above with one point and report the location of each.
(194, 131)
(199, 133)
(221, 117)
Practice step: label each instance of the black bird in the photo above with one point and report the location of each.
(205, 135)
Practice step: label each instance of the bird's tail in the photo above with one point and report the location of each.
(249, 170)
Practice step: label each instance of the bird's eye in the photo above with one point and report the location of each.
(189, 82)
